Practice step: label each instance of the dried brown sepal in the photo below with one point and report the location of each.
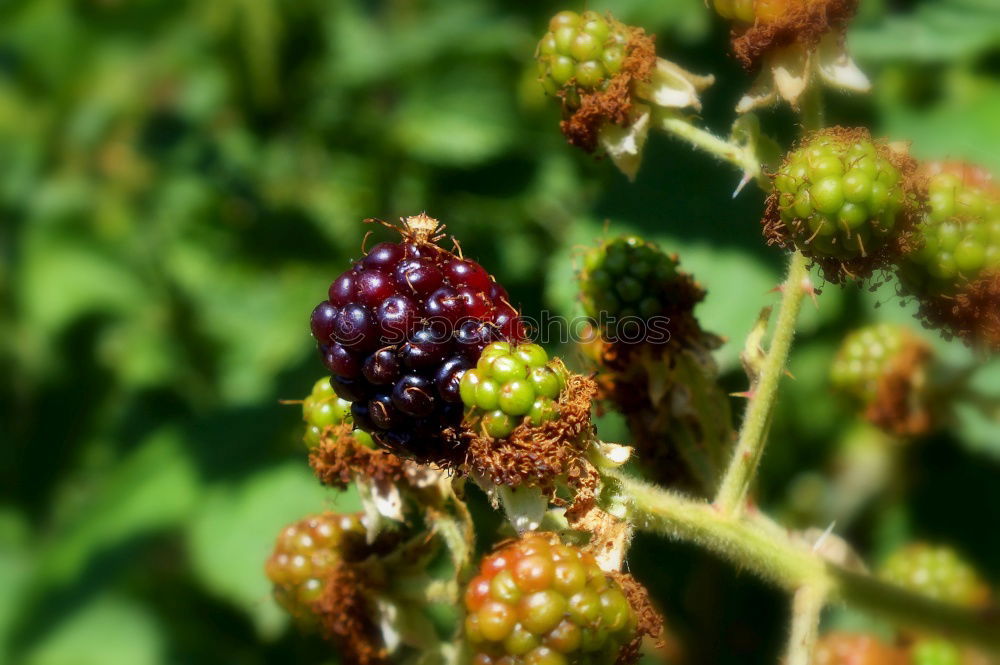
(344, 613)
(339, 459)
(581, 123)
(801, 23)
(899, 406)
(904, 237)
(972, 315)
(536, 456)
(649, 620)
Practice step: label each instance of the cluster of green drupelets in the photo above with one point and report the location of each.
(864, 357)
(581, 50)
(938, 572)
(322, 409)
(839, 196)
(960, 235)
(627, 276)
(539, 602)
(305, 554)
(510, 384)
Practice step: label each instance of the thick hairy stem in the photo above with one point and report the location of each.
(741, 156)
(789, 563)
(750, 443)
(807, 605)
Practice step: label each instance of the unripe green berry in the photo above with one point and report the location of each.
(508, 385)
(864, 356)
(322, 409)
(581, 51)
(839, 198)
(937, 572)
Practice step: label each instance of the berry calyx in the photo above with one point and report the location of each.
(938, 572)
(511, 385)
(956, 271)
(398, 330)
(537, 600)
(843, 648)
(305, 555)
(844, 200)
(636, 294)
(323, 409)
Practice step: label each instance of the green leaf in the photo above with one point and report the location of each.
(234, 531)
(107, 631)
(153, 488)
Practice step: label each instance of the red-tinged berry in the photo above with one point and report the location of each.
(511, 385)
(956, 271)
(935, 652)
(936, 571)
(305, 555)
(323, 409)
(397, 332)
(537, 601)
(846, 201)
(842, 648)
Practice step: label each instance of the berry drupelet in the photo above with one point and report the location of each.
(938, 572)
(864, 357)
(539, 602)
(511, 385)
(306, 553)
(845, 201)
(322, 409)
(398, 330)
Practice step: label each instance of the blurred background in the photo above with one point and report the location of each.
(179, 182)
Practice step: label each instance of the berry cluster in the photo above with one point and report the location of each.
(936, 571)
(842, 648)
(305, 554)
(864, 357)
(627, 281)
(582, 51)
(539, 602)
(397, 331)
(960, 234)
(322, 409)
(510, 384)
(840, 198)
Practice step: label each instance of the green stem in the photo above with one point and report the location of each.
(789, 563)
(742, 157)
(807, 605)
(812, 112)
(752, 437)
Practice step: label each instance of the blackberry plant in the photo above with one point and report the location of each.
(430, 358)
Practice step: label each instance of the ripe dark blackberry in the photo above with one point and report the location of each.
(509, 385)
(322, 409)
(936, 571)
(305, 555)
(956, 272)
(398, 330)
(536, 601)
(843, 648)
(845, 201)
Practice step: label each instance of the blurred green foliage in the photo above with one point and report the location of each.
(179, 181)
